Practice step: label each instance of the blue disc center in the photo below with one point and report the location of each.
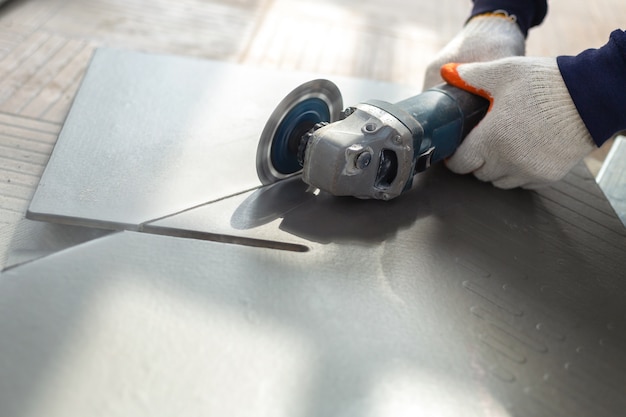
(298, 121)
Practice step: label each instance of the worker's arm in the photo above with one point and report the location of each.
(528, 13)
(532, 134)
(546, 113)
(596, 80)
(496, 29)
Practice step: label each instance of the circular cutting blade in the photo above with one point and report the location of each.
(310, 103)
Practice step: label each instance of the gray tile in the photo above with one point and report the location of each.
(450, 310)
(151, 135)
(30, 240)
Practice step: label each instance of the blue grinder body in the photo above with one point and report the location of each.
(372, 150)
(439, 119)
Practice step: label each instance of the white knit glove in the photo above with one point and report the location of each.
(484, 38)
(532, 134)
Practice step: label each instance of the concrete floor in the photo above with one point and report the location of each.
(45, 46)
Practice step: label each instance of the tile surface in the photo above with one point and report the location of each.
(440, 307)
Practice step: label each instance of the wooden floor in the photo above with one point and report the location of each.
(45, 47)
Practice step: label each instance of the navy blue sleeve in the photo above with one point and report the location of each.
(529, 13)
(596, 80)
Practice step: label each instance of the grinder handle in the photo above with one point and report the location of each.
(472, 106)
(445, 115)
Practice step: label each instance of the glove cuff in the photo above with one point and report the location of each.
(529, 13)
(496, 13)
(483, 38)
(596, 80)
(500, 30)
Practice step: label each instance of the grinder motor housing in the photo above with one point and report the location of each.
(375, 151)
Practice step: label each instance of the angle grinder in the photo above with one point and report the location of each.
(371, 150)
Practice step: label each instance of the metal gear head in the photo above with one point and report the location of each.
(307, 105)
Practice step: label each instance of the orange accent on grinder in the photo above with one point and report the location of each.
(450, 73)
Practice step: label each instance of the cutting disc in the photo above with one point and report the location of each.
(311, 103)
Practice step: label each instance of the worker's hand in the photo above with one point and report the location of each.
(532, 134)
(484, 38)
